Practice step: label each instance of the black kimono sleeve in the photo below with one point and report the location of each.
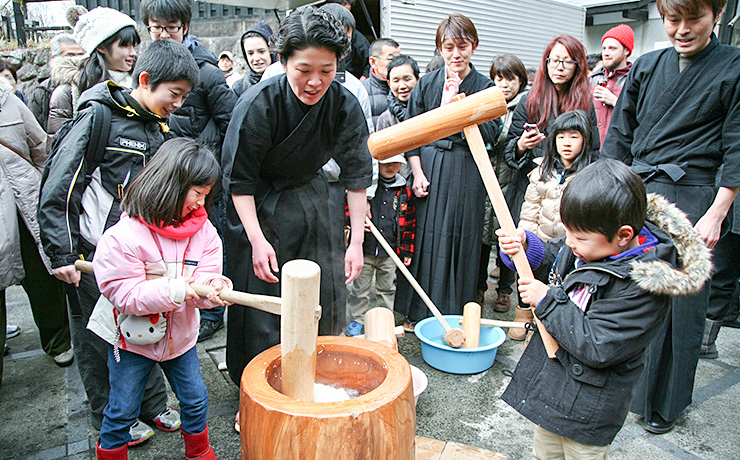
(248, 139)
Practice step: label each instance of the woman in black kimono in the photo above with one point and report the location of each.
(449, 213)
(282, 132)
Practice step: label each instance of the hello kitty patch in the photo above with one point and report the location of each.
(143, 330)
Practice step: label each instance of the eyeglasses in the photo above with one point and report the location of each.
(554, 63)
(169, 29)
(385, 58)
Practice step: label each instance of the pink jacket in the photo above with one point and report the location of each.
(127, 253)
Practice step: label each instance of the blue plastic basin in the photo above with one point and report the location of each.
(441, 356)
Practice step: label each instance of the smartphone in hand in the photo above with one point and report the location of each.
(531, 126)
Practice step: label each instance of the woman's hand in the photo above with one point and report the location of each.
(421, 185)
(264, 261)
(528, 140)
(353, 261)
(532, 291)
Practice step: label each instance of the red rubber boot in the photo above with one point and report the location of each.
(120, 453)
(198, 447)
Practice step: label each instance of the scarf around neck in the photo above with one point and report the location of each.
(398, 109)
(189, 227)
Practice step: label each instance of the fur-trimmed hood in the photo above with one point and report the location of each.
(66, 70)
(694, 257)
(5, 90)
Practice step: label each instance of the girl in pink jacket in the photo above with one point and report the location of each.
(147, 311)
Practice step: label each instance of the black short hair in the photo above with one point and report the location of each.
(377, 46)
(309, 27)
(167, 60)
(574, 120)
(593, 59)
(342, 14)
(604, 196)
(165, 11)
(403, 59)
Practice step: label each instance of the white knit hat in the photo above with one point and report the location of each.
(99, 24)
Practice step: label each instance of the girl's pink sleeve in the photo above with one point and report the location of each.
(210, 267)
(121, 278)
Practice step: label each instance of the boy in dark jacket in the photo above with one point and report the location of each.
(206, 113)
(610, 282)
(79, 201)
(393, 213)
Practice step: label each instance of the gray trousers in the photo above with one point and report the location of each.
(358, 297)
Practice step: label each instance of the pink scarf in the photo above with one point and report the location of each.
(189, 227)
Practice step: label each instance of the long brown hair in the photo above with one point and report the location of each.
(543, 95)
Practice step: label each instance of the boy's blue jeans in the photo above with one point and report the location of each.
(127, 382)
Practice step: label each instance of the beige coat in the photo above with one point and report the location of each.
(541, 207)
(21, 164)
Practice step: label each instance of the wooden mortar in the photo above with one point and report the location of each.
(380, 424)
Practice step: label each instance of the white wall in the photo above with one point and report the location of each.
(520, 27)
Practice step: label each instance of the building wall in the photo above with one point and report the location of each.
(520, 27)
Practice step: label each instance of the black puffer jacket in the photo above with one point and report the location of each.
(206, 112)
(585, 392)
(71, 210)
(378, 90)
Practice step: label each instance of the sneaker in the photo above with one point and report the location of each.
(12, 330)
(208, 328)
(6, 350)
(236, 423)
(64, 359)
(168, 420)
(139, 432)
(354, 328)
(409, 326)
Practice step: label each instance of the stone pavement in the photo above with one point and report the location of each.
(45, 414)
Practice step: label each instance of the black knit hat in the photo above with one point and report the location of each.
(265, 31)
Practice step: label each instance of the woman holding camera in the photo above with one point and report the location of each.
(561, 85)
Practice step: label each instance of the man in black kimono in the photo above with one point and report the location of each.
(677, 122)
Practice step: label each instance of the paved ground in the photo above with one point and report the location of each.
(45, 415)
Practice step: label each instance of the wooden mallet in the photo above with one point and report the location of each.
(380, 327)
(465, 115)
(471, 324)
(453, 337)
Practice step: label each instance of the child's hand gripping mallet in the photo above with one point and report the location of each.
(264, 303)
(452, 337)
(465, 114)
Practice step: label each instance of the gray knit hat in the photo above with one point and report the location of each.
(99, 24)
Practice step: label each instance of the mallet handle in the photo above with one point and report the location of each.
(497, 323)
(437, 124)
(265, 303)
(480, 155)
(419, 290)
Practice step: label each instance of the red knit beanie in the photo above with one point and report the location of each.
(623, 34)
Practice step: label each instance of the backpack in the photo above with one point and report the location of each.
(96, 147)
